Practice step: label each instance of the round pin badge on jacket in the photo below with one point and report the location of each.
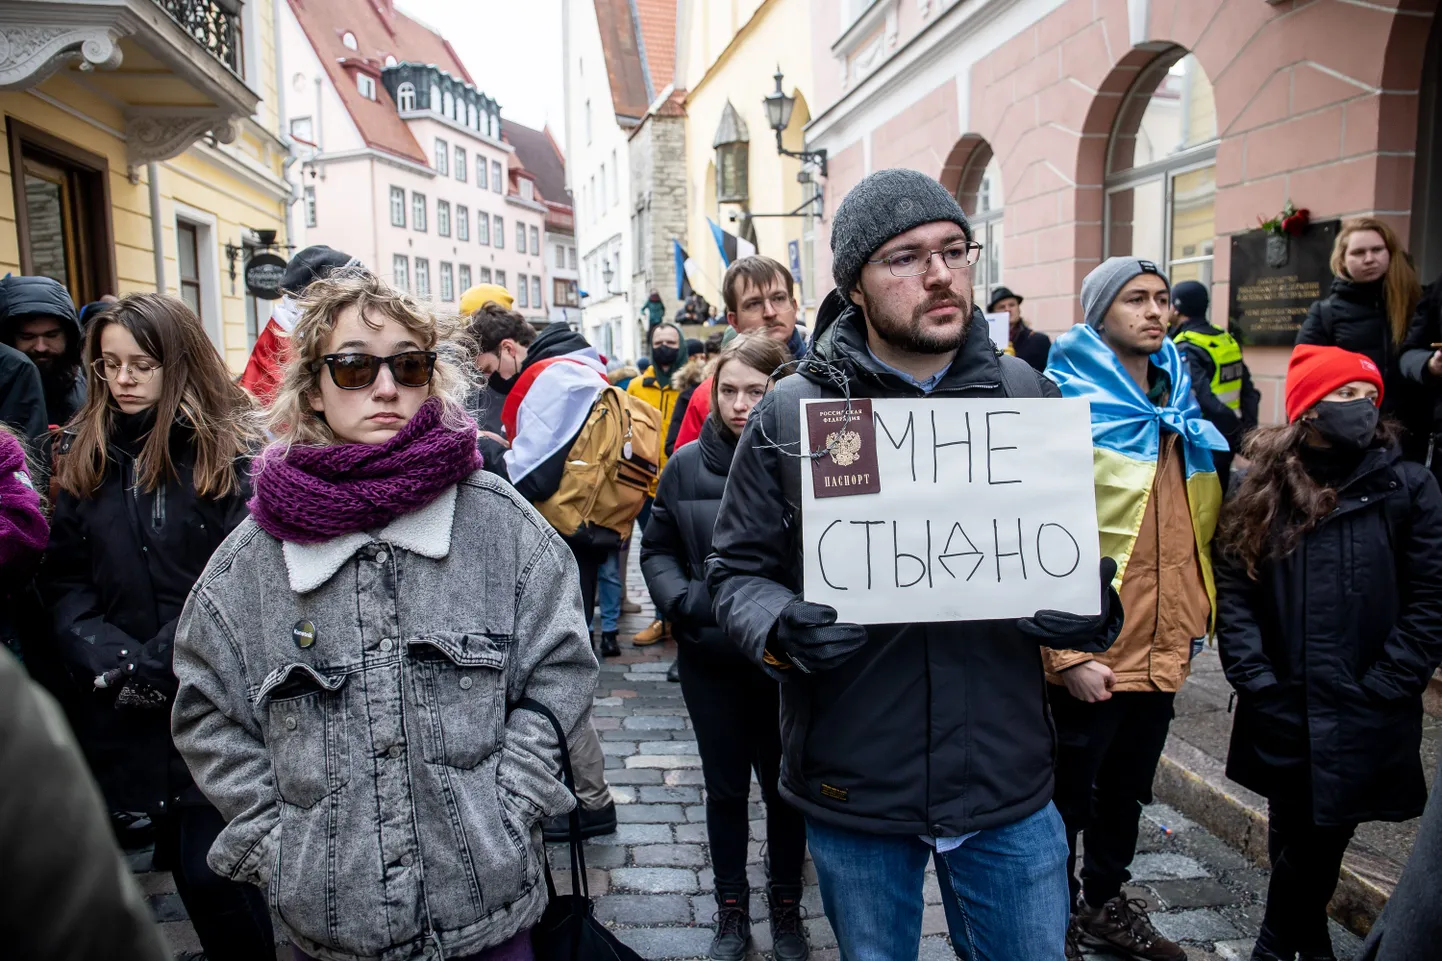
(303, 634)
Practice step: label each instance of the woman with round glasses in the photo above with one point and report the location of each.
(153, 475)
(354, 660)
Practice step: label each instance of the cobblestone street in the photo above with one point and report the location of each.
(652, 880)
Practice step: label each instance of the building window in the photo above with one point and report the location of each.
(400, 271)
(443, 218)
(601, 201)
(560, 256)
(463, 222)
(448, 104)
(448, 283)
(500, 233)
(615, 179)
(310, 206)
(501, 278)
(483, 275)
(1161, 182)
(483, 229)
(348, 39)
(435, 103)
(472, 118)
(523, 297)
(482, 180)
(366, 84)
(301, 128)
(423, 277)
(443, 153)
(528, 189)
(588, 121)
(418, 211)
(535, 242)
(520, 237)
(496, 176)
(398, 207)
(564, 293)
(979, 193)
(732, 146)
(187, 242)
(463, 277)
(536, 293)
(462, 164)
(406, 97)
(573, 257)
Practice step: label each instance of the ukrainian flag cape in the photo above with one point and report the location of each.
(1126, 435)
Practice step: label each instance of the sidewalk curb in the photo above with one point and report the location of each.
(1196, 784)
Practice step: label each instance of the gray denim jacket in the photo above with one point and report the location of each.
(345, 706)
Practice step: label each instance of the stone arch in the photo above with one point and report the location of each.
(958, 168)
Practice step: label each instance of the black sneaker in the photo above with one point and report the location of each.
(673, 673)
(609, 647)
(133, 829)
(788, 933)
(733, 926)
(1122, 926)
(593, 824)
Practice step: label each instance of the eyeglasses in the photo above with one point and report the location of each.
(411, 368)
(108, 370)
(913, 261)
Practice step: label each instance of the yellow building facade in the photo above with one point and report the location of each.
(143, 151)
(728, 54)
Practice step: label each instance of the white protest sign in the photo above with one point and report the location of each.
(998, 325)
(986, 510)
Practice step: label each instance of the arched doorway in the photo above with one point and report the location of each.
(1426, 237)
(1161, 183)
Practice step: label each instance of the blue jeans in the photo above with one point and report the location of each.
(609, 591)
(1011, 899)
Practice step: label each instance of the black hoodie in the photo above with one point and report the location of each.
(25, 298)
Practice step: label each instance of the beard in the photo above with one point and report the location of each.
(912, 334)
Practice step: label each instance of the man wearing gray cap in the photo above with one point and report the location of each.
(1157, 499)
(901, 742)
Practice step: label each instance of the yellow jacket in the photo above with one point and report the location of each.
(663, 399)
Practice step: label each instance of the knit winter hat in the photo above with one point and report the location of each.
(1316, 371)
(1101, 286)
(310, 265)
(1190, 299)
(887, 203)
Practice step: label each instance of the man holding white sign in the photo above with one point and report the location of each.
(946, 502)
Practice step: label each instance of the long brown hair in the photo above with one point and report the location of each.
(1399, 283)
(1277, 501)
(196, 390)
(757, 351)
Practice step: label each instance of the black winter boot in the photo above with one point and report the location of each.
(609, 647)
(788, 933)
(733, 925)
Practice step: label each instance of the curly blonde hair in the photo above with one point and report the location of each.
(291, 419)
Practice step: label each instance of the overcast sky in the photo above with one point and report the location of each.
(512, 49)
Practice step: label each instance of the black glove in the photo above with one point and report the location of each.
(809, 637)
(1074, 631)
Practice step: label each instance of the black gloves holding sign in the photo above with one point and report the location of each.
(1076, 632)
(808, 638)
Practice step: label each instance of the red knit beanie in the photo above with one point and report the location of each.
(1314, 372)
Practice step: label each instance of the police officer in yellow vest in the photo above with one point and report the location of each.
(1220, 379)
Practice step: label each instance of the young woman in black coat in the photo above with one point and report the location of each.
(1329, 595)
(734, 706)
(153, 476)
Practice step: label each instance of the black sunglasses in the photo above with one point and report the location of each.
(411, 368)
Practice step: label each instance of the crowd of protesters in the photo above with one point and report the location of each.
(298, 621)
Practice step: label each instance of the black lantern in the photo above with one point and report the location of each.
(778, 113)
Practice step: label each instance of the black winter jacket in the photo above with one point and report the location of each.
(25, 298)
(677, 540)
(935, 728)
(1332, 646)
(115, 577)
(22, 397)
(1032, 346)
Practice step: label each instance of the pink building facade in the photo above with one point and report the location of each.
(1072, 130)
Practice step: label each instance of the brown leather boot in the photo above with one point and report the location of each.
(1123, 926)
(654, 634)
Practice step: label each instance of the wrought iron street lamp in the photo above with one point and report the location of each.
(778, 113)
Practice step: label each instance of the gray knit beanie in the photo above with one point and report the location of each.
(887, 203)
(1101, 286)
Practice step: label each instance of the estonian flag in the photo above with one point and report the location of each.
(684, 266)
(731, 246)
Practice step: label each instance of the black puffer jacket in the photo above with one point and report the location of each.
(935, 728)
(25, 298)
(1331, 648)
(115, 577)
(678, 537)
(22, 397)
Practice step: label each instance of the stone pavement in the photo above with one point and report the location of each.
(652, 880)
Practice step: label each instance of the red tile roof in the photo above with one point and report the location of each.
(539, 154)
(640, 51)
(658, 35)
(379, 30)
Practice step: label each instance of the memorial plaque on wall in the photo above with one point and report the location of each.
(1275, 278)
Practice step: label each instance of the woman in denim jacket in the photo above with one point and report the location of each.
(349, 659)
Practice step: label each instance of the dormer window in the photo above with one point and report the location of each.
(448, 105)
(366, 84)
(471, 119)
(349, 40)
(435, 103)
(528, 190)
(390, 60)
(406, 97)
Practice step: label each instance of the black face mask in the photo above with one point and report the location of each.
(502, 385)
(1349, 423)
(663, 356)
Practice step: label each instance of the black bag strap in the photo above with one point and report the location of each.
(1018, 377)
(579, 886)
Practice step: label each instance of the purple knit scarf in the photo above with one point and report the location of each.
(312, 494)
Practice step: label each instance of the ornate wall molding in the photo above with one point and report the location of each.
(160, 135)
(30, 53)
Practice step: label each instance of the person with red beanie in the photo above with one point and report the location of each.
(1328, 566)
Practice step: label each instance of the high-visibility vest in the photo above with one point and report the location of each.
(1227, 366)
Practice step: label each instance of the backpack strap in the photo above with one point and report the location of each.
(1018, 377)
